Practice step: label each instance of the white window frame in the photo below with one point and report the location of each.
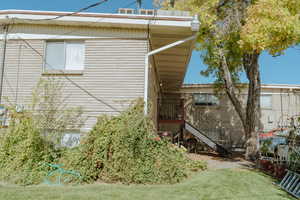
(72, 71)
(271, 101)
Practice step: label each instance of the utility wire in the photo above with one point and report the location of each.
(74, 13)
(66, 77)
(75, 29)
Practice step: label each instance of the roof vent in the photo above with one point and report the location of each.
(127, 11)
(146, 11)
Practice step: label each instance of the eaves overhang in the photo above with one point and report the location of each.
(93, 19)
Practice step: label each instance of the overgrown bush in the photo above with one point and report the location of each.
(34, 134)
(23, 152)
(125, 148)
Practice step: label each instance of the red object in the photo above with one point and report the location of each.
(270, 133)
(279, 171)
(273, 169)
(266, 135)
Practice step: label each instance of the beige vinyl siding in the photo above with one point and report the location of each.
(114, 74)
(285, 105)
(60, 32)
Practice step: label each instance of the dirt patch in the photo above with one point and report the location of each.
(216, 162)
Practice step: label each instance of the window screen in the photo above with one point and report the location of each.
(55, 56)
(65, 56)
(205, 99)
(266, 101)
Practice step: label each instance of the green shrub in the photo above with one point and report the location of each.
(126, 149)
(23, 152)
(28, 143)
(123, 148)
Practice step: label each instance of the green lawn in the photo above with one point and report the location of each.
(208, 185)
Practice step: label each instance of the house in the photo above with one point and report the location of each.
(108, 60)
(214, 114)
(105, 60)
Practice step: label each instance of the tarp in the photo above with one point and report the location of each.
(273, 133)
(280, 132)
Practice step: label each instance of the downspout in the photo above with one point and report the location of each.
(3, 56)
(195, 27)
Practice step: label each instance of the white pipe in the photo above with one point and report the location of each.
(147, 66)
(146, 84)
(6, 27)
(171, 45)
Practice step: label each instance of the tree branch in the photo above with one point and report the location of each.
(230, 88)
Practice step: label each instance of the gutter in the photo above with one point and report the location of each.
(195, 24)
(264, 86)
(32, 13)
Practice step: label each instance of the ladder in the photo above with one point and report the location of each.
(291, 183)
(205, 139)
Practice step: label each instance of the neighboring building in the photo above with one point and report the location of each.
(101, 57)
(214, 114)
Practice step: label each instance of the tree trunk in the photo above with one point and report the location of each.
(251, 67)
(249, 115)
(231, 89)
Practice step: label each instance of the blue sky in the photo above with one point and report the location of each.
(284, 69)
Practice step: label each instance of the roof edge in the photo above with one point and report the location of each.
(270, 86)
(102, 15)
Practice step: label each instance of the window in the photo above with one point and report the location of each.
(266, 101)
(205, 100)
(64, 55)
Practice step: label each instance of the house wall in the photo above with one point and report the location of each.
(285, 105)
(113, 74)
(221, 122)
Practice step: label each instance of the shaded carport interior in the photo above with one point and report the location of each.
(171, 64)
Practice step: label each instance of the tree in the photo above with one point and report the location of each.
(232, 35)
(50, 110)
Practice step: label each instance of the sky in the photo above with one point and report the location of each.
(284, 69)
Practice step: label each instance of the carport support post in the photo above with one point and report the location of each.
(147, 66)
